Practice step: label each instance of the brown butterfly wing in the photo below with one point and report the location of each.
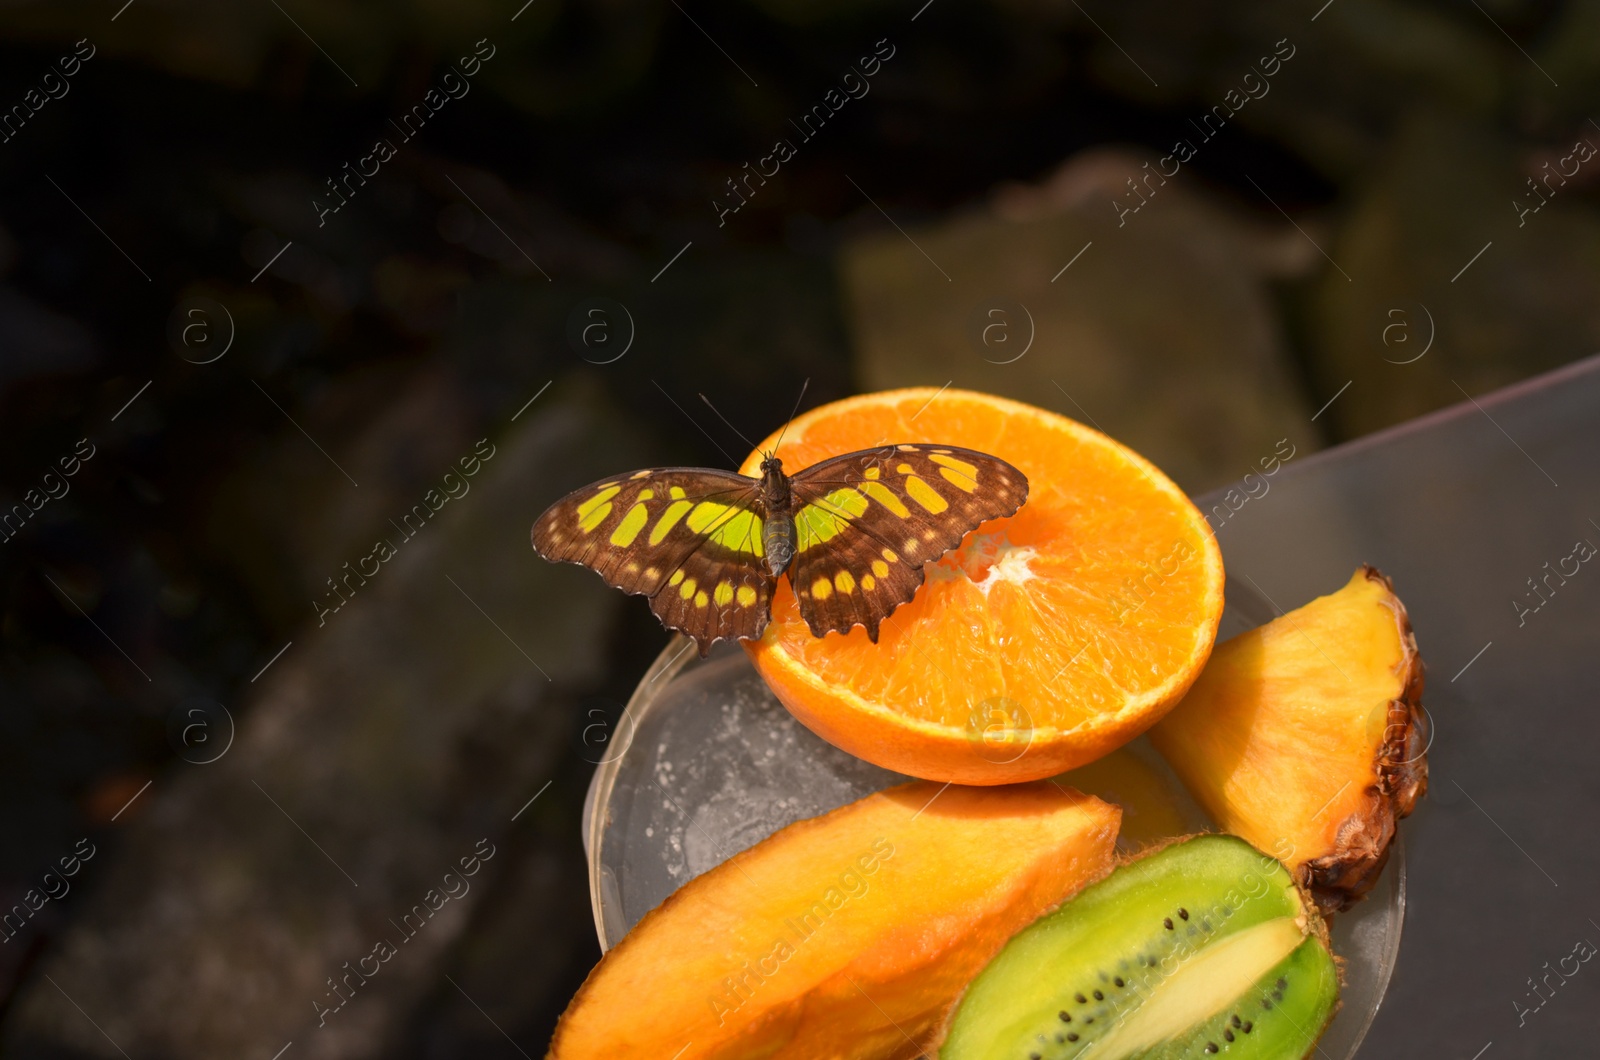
(688, 538)
(866, 523)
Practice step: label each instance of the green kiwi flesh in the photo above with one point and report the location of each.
(1203, 948)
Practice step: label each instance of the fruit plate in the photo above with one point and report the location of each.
(704, 762)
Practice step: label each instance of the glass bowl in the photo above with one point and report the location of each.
(705, 762)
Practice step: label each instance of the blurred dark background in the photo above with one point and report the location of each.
(269, 386)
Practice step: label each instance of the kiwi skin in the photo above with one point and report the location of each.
(1062, 984)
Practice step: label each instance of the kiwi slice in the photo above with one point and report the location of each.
(1205, 947)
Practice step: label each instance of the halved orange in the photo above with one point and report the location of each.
(1043, 642)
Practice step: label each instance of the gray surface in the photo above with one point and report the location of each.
(1461, 509)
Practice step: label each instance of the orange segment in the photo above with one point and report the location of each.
(1043, 642)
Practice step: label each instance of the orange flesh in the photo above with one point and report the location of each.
(848, 935)
(1062, 632)
(1282, 739)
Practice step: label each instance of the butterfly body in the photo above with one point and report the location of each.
(852, 533)
(777, 525)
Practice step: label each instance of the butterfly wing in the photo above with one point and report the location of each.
(688, 538)
(866, 522)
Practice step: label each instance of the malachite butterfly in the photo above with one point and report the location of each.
(852, 532)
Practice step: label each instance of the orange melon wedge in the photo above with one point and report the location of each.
(849, 935)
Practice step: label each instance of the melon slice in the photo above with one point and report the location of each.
(1307, 738)
(849, 935)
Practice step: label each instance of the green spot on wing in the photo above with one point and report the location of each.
(825, 520)
(669, 519)
(587, 507)
(630, 526)
(735, 529)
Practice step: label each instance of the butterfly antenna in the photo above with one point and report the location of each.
(696, 423)
(724, 419)
(792, 413)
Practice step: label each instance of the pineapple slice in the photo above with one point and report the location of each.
(1307, 738)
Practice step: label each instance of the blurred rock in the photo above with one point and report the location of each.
(419, 294)
(363, 47)
(37, 341)
(1571, 55)
(1338, 109)
(1444, 190)
(411, 725)
(1333, 102)
(511, 970)
(1161, 334)
(528, 234)
(392, 429)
